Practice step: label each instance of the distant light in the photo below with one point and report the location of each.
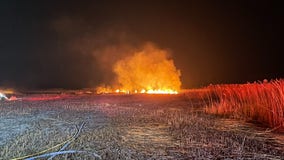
(2, 95)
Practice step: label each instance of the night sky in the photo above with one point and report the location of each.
(58, 44)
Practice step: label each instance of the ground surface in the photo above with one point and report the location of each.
(129, 127)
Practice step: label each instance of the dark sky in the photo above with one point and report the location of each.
(50, 44)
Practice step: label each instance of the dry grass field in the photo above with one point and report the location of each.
(135, 126)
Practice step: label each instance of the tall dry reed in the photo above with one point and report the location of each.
(261, 102)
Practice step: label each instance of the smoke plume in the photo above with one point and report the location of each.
(122, 61)
(147, 68)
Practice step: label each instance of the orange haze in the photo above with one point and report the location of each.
(149, 70)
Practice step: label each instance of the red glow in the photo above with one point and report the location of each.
(44, 97)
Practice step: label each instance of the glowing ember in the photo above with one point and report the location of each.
(159, 91)
(162, 92)
(149, 70)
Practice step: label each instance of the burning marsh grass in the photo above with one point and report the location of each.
(257, 102)
(130, 127)
(146, 70)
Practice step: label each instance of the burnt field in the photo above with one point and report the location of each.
(135, 126)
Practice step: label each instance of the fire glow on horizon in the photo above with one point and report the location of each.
(159, 91)
(149, 71)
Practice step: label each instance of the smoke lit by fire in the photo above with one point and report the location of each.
(148, 70)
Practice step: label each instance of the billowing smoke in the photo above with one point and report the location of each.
(122, 62)
(147, 69)
(102, 47)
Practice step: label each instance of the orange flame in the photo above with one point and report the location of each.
(149, 70)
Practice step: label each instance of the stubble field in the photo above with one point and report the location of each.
(135, 126)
